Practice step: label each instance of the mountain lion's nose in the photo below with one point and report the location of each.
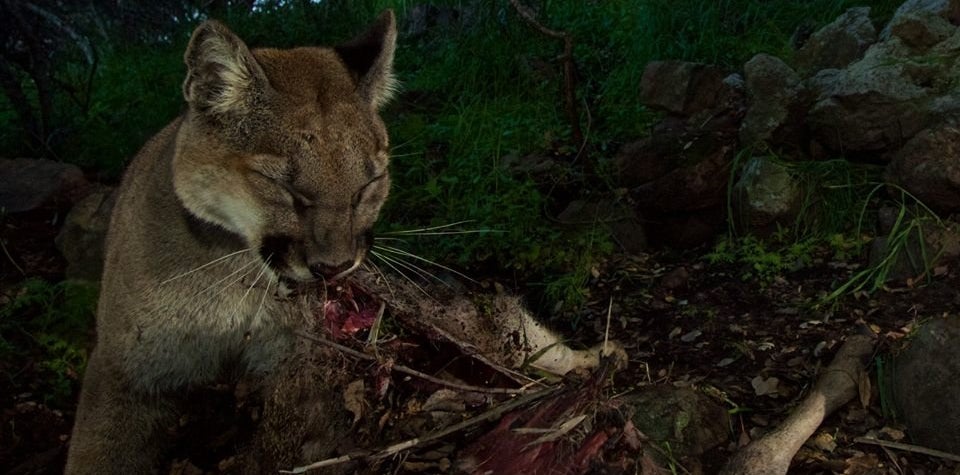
(328, 272)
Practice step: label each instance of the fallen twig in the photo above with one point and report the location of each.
(908, 448)
(393, 449)
(408, 370)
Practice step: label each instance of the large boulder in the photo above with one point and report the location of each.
(776, 102)
(946, 9)
(624, 225)
(645, 160)
(921, 29)
(925, 383)
(693, 187)
(928, 166)
(30, 183)
(876, 103)
(766, 193)
(839, 43)
(81, 239)
(685, 88)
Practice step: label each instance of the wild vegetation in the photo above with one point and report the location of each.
(480, 88)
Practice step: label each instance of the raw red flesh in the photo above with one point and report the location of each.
(348, 309)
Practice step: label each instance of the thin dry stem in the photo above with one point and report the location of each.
(493, 413)
(410, 371)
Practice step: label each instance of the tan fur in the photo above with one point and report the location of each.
(274, 175)
(276, 144)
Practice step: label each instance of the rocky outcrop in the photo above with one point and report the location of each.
(889, 98)
(30, 183)
(946, 9)
(839, 43)
(776, 103)
(682, 87)
(678, 175)
(874, 104)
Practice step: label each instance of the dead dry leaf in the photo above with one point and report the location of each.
(823, 441)
(765, 386)
(865, 388)
(353, 399)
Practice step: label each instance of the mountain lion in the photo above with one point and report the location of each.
(273, 178)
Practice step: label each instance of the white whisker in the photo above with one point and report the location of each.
(431, 228)
(444, 233)
(263, 298)
(379, 271)
(402, 252)
(204, 266)
(263, 268)
(398, 271)
(239, 269)
(229, 284)
(417, 270)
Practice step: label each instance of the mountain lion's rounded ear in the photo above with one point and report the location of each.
(370, 57)
(222, 74)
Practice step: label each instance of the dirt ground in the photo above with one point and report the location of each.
(754, 346)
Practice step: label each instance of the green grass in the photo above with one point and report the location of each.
(49, 325)
(477, 91)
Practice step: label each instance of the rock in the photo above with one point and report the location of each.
(29, 183)
(838, 44)
(766, 193)
(682, 87)
(928, 166)
(685, 230)
(946, 9)
(81, 240)
(685, 207)
(692, 187)
(925, 383)
(921, 29)
(874, 104)
(776, 101)
(690, 422)
(645, 160)
(624, 225)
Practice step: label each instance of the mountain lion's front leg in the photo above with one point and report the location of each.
(118, 429)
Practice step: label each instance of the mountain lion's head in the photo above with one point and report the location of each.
(285, 147)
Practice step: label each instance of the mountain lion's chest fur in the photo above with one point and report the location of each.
(274, 176)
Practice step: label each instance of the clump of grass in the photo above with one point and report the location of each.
(905, 243)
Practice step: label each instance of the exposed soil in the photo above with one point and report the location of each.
(683, 321)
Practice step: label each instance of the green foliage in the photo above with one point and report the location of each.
(474, 91)
(50, 324)
(759, 259)
(904, 245)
